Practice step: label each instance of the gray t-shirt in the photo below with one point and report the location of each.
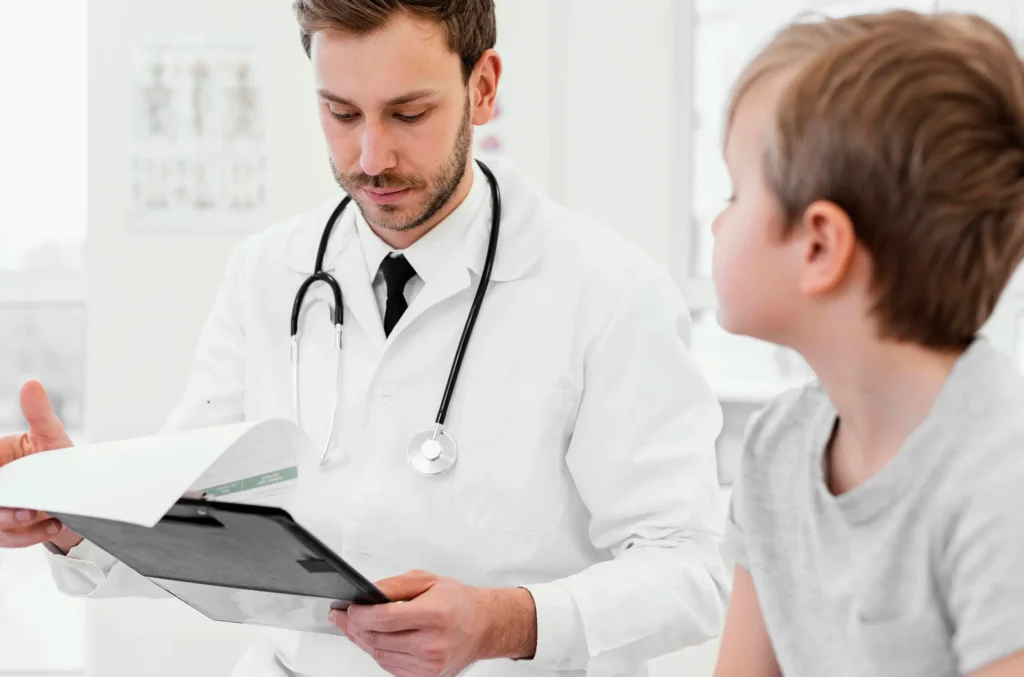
(919, 570)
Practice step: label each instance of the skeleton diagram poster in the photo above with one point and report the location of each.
(199, 160)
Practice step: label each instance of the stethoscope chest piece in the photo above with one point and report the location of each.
(432, 452)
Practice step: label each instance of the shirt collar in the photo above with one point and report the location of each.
(429, 254)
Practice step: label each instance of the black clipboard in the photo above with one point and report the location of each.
(236, 563)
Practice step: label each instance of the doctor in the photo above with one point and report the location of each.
(562, 520)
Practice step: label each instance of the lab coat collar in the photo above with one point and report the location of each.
(515, 254)
(375, 250)
(522, 210)
(344, 260)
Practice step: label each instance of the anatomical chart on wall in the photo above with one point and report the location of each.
(199, 164)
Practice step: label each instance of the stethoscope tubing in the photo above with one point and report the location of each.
(337, 314)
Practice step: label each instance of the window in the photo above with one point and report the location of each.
(43, 208)
(43, 134)
(45, 341)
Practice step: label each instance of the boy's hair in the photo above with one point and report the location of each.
(914, 125)
(469, 25)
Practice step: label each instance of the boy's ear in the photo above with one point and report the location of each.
(828, 247)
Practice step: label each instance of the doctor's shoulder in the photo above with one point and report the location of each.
(283, 242)
(603, 260)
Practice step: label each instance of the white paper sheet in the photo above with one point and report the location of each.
(138, 480)
(263, 470)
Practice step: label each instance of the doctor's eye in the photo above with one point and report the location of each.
(344, 117)
(409, 118)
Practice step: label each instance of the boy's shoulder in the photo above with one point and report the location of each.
(985, 424)
(790, 423)
(977, 427)
(781, 442)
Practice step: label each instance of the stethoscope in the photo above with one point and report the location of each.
(432, 451)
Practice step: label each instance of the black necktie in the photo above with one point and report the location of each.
(397, 273)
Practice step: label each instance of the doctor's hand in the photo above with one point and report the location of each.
(441, 626)
(23, 528)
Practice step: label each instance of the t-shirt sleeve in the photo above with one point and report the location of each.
(773, 444)
(734, 546)
(984, 562)
(736, 529)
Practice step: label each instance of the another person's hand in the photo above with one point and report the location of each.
(441, 626)
(24, 528)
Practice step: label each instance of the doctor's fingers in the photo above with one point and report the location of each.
(408, 586)
(25, 537)
(17, 518)
(400, 641)
(402, 664)
(13, 447)
(425, 645)
(394, 617)
(46, 431)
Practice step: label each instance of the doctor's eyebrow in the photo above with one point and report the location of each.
(397, 101)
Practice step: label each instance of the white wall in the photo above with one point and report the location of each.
(626, 76)
(619, 130)
(529, 87)
(590, 105)
(149, 294)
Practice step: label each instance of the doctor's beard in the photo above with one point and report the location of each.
(440, 187)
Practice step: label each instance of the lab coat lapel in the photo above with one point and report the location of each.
(518, 244)
(344, 260)
(523, 209)
(456, 278)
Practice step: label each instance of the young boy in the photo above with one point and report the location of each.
(878, 523)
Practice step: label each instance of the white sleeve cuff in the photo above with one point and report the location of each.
(82, 570)
(561, 641)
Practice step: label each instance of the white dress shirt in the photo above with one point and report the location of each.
(429, 254)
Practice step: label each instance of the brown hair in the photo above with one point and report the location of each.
(469, 25)
(914, 125)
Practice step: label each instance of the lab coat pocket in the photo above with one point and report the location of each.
(511, 475)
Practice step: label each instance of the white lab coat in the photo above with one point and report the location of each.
(586, 435)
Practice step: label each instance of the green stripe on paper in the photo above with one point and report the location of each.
(255, 482)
